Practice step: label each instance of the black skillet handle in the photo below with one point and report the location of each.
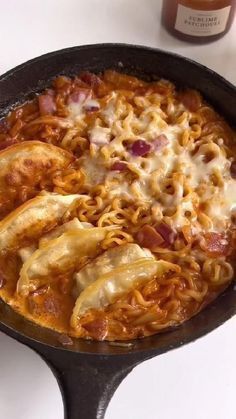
(87, 382)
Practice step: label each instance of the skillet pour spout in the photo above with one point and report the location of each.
(89, 372)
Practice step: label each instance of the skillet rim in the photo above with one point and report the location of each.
(116, 45)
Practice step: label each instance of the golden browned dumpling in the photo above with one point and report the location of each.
(109, 260)
(32, 219)
(109, 286)
(59, 255)
(23, 166)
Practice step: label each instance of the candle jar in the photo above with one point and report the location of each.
(198, 21)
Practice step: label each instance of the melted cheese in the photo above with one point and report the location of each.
(99, 135)
(109, 112)
(184, 167)
(77, 110)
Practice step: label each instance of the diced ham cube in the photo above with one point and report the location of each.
(47, 105)
(166, 232)
(91, 79)
(216, 244)
(119, 166)
(79, 96)
(140, 148)
(97, 328)
(191, 100)
(149, 237)
(65, 340)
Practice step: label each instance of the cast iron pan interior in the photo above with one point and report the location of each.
(89, 372)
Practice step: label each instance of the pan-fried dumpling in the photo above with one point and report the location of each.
(59, 256)
(26, 252)
(27, 157)
(72, 225)
(109, 260)
(27, 163)
(106, 289)
(33, 218)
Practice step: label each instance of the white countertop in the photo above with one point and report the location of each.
(197, 381)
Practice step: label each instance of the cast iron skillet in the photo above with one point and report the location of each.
(89, 372)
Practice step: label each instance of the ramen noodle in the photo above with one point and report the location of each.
(117, 206)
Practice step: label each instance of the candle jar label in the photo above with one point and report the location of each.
(201, 22)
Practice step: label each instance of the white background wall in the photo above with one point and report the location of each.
(197, 381)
